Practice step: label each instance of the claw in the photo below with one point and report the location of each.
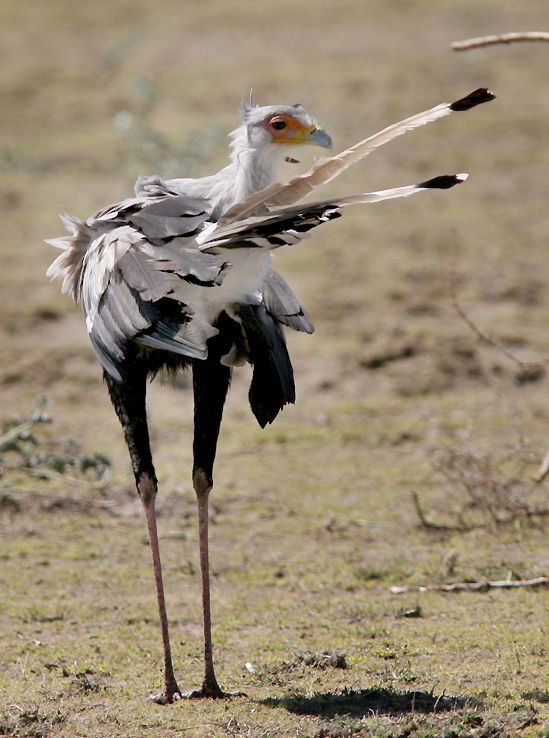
(166, 698)
(216, 694)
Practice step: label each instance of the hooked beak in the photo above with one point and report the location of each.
(319, 137)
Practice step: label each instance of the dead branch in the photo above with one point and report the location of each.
(528, 370)
(480, 492)
(502, 38)
(482, 586)
(488, 340)
(429, 524)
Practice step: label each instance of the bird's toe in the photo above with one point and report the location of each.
(216, 694)
(166, 697)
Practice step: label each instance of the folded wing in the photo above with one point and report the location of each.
(123, 264)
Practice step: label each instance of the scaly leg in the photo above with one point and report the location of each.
(210, 384)
(128, 399)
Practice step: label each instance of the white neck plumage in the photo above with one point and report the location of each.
(252, 168)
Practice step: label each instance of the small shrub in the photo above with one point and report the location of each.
(482, 488)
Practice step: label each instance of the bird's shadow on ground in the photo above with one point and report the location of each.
(364, 702)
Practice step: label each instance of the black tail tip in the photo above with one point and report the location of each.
(444, 182)
(477, 97)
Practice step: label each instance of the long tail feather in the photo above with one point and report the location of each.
(296, 220)
(324, 171)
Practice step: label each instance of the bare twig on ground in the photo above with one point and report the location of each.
(528, 370)
(501, 38)
(481, 586)
(431, 525)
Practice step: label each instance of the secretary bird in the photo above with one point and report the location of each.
(180, 276)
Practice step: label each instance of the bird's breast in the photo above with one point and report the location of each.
(243, 283)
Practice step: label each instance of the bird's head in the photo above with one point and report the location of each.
(267, 136)
(281, 128)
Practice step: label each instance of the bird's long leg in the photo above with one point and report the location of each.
(128, 399)
(210, 384)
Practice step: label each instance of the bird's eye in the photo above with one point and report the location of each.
(279, 125)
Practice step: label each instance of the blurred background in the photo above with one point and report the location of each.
(393, 389)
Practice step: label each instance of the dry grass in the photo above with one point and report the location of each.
(313, 518)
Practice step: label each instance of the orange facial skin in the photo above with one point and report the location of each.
(287, 130)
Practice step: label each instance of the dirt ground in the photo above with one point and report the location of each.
(409, 457)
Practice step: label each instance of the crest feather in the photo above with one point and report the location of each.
(246, 106)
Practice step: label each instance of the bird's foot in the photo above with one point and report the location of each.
(211, 689)
(197, 694)
(168, 696)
